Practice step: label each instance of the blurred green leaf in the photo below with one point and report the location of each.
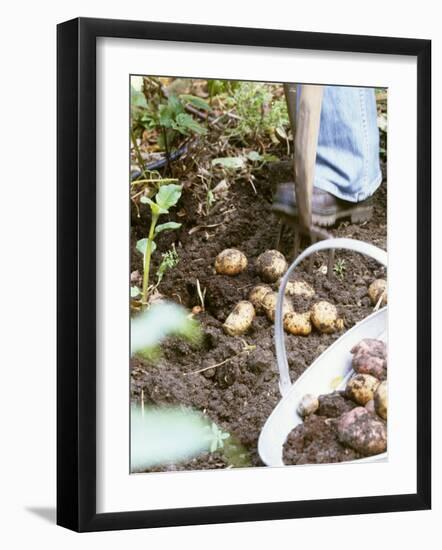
(196, 102)
(141, 246)
(166, 227)
(185, 123)
(230, 163)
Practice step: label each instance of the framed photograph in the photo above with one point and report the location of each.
(243, 274)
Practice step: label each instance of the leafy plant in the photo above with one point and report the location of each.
(166, 198)
(258, 111)
(169, 261)
(340, 268)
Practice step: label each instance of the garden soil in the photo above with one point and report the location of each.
(240, 394)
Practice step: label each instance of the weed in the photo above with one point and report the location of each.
(340, 268)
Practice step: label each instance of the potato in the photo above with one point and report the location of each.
(230, 262)
(362, 432)
(269, 305)
(381, 400)
(371, 346)
(240, 319)
(271, 265)
(361, 388)
(370, 357)
(256, 296)
(369, 407)
(368, 364)
(324, 317)
(299, 288)
(308, 405)
(377, 289)
(298, 323)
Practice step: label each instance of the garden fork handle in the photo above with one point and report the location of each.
(306, 143)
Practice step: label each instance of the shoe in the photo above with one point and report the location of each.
(326, 208)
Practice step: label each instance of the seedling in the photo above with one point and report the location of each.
(169, 261)
(167, 196)
(216, 438)
(340, 268)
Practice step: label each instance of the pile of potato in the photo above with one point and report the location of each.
(363, 428)
(271, 266)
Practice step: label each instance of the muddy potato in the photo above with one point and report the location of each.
(362, 432)
(368, 364)
(299, 288)
(230, 262)
(257, 295)
(240, 319)
(369, 407)
(377, 289)
(269, 305)
(361, 388)
(308, 405)
(271, 265)
(324, 317)
(381, 400)
(298, 323)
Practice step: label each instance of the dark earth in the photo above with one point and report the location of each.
(240, 394)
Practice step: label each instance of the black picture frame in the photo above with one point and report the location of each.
(76, 273)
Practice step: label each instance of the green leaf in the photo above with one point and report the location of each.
(254, 156)
(168, 196)
(166, 226)
(196, 102)
(134, 291)
(230, 163)
(155, 208)
(137, 98)
(185, 123)
(141, 246)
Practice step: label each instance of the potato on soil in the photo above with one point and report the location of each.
(377, 289)
(299, 288)
(240, 319)
(381, 400)
(298, 323)
(361, 388)
(271, 265)
(269, 305)
(308, 405)
(362, 432)
(370, 357)
(230, 262)
(257, 295)
(324, 317)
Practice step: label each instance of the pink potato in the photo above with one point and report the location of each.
(362, 432)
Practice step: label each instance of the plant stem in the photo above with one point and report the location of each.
(138, 153)
(147, 256)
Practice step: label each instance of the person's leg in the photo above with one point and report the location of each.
(347, 163)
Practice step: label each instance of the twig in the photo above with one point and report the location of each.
(246, 349)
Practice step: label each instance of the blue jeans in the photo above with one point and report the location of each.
(347, 161)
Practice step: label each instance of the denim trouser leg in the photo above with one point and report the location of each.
(347, 161)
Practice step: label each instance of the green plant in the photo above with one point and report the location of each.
(258, 111)
(169, 261)
(166, 198)
(340, 268)
(216, 437)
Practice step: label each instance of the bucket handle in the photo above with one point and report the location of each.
(328, 244)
